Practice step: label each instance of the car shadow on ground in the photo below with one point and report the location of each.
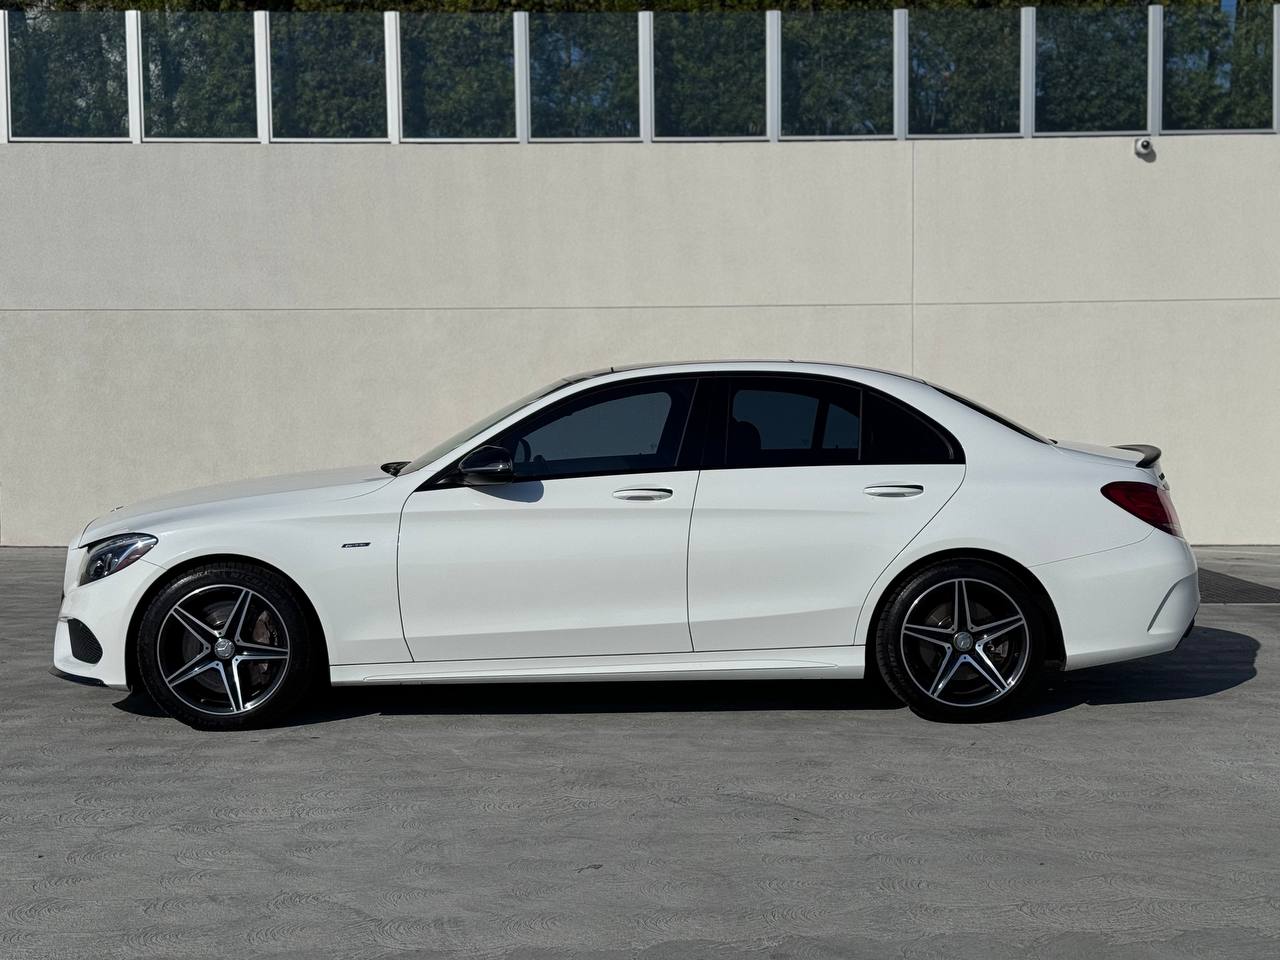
(1207, 662)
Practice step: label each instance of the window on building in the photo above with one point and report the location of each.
(328, 76)
(198, 75)
(458, 76)
(837, 73)
(709, 74)
(1091, 69)
(623, 429)
(1217, 66)
(67, 75)
(584, 75)
(964, 71)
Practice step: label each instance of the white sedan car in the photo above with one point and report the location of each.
(667, 522)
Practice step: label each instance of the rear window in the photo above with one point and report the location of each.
(992, 415)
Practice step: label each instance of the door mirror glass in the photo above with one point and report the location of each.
(486, 465)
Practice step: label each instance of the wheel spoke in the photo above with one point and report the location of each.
(982, 663)
(235, 619)
(198, 628)
(943, 676)
(263, 653)
(198, 665)
(1001, 627)
(231, 683)
(941, 631)
(916, 634)
(960, 619)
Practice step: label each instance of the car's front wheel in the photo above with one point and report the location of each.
(961, 640)
(225, 647)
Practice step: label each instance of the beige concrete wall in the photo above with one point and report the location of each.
(178, 314)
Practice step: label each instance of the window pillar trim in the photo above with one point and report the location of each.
(645, 31)
(773, 75)
(4, 76)
(1027, 74)
(133, 72)
(262, 72)
(901, 73)
(520, 24)
(1155, 69)
(391, 41)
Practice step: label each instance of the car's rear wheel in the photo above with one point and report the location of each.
(961, 640)
(226, 647)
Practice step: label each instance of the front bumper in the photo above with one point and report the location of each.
(1126, 603)
(105, 608)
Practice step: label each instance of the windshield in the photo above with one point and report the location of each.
(988, 412)
(462, 436)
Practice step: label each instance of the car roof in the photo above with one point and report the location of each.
(746, 366)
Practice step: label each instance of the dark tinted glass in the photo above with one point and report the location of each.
(458, 75)
(198, 75)
(1091, 68)
(584, 75)
(328, 76)
(891, 433)
(623, 429)
(783, 422)
(67, 75)
(1217, 66)
(837, 73)
(709, 74)
(965, 70)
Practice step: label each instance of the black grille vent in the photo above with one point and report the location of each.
(84, 645)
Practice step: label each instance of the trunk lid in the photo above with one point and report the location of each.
(1144, 456)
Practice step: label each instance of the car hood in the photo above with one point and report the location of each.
(174, 509)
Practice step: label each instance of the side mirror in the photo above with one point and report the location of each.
(486, 465)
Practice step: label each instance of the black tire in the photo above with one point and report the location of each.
(944, 670)
(273, 655)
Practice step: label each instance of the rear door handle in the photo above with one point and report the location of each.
(643, 493)
(894, 490)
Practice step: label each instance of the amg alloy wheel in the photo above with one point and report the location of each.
(224, 647)
(961, 641)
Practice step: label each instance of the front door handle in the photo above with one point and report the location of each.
(894, 490)
(643, 493)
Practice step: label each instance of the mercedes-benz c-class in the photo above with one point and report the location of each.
(683, 521)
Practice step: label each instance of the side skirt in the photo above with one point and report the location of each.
(796, 663)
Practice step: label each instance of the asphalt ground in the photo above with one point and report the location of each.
(1134, 811)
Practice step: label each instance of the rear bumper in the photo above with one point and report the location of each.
(1126, 603)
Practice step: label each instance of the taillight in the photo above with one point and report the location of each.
(1145, 501)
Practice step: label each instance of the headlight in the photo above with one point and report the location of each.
(105, 558)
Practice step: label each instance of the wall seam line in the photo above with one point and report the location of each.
(348, 308)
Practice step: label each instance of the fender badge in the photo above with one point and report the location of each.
(347, 546)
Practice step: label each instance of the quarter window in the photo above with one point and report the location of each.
(893, 433)
(628, 429)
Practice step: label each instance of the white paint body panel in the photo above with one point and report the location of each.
(554, 569)
(785, 556)
(574, 584)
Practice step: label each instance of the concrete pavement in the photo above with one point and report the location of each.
(1135, 812)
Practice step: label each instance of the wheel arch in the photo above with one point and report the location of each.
(1056, 652)
(177, 570)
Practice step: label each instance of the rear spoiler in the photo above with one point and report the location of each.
(1149, 453)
